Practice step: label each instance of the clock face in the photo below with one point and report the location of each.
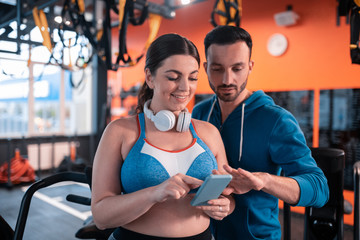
(277, 44)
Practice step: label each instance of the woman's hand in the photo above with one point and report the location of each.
(217, 208)
(176, 187)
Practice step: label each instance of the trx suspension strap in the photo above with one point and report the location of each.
(125, 11)
(351, 9)
(355, 32)
(74, 10)
(229, 12)
(126, 15)
(154, 25)
(41, 21)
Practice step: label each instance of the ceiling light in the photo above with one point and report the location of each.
(185, 2)
(58, 19)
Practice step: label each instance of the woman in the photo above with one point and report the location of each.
(156, 157)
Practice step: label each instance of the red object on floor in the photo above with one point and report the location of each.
(20, 170)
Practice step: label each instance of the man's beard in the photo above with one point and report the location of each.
(228, 97)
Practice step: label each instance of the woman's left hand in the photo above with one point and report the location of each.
(217, 208)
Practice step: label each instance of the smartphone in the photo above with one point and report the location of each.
(211, 189)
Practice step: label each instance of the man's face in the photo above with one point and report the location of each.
(228, 67)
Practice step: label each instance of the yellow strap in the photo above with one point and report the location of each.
(240, 7)
(41, 22)
(221, 7)
(36, 17)
(81, 6)
(121, 11)
(154, 25)
(353, 46)
(99, 34)
(357, 2)
(46, 36)
(43, 19)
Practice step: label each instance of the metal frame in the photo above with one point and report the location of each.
(23, 12)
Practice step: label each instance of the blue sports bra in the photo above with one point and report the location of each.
(147, 165)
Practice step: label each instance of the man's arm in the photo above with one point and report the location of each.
(284, 188)
(304, 185)
(289, 150)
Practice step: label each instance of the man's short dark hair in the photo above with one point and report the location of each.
(224, 35)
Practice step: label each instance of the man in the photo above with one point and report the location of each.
(260, 139)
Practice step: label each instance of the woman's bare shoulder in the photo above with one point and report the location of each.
(205, 129)
(212, 138)
(121, 126)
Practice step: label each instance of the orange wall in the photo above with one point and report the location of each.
(317, 57)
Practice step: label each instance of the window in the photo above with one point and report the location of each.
(39, 97)
(43, 99)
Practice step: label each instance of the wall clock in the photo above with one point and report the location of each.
(277, 44)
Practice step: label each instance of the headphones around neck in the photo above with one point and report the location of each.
(165, 119)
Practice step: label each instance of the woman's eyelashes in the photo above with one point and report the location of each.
(175, 78)
(172, 78)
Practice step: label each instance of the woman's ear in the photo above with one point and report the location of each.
(149, 78)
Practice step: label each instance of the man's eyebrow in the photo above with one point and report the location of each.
(239, 64)
(235, 64)
(215, 64)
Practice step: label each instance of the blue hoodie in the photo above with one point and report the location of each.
(260, 136)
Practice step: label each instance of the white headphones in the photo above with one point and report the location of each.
(165, 119)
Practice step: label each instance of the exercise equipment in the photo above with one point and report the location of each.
(356, 226)
(325, 223)
(89, 231)
(17, 170)
(351, 10)
(227, 12)
(41, 22)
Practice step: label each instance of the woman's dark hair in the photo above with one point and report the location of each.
(223, 35)
(163, 47)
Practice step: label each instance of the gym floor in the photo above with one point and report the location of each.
(51, 216)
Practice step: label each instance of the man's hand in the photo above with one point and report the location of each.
(242, 181)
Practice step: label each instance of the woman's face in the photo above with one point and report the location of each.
(174, 83)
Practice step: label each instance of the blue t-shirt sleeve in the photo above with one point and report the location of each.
(288, 149)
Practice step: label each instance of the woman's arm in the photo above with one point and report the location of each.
(109, 207)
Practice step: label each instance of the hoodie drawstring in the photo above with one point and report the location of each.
(211, 110)
(241, 130)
